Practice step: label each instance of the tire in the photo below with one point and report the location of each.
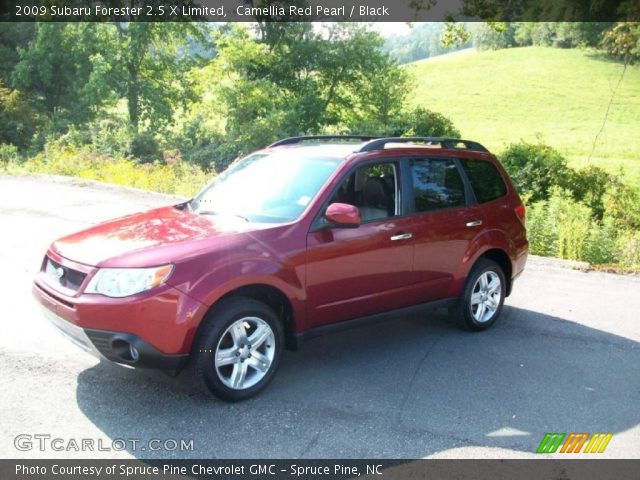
(226, 362)
(479, 306)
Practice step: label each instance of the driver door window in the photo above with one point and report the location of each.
(373, 189)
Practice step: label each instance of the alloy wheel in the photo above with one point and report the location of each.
(485, 296)
(245, 353)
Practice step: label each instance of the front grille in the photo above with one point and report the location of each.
(64, 276)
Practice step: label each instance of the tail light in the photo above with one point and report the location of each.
(521, 213)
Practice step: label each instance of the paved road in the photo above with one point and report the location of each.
(563, 358)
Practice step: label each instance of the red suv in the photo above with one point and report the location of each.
(306, 235)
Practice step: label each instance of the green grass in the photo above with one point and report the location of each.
(555, 95)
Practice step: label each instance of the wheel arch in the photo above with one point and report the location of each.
(502, 259)
(271, 296)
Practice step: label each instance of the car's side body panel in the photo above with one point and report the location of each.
(443, 242)
(274, 257)
(354, 272)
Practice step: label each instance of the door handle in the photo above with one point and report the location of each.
(401, 236)
(474, 223)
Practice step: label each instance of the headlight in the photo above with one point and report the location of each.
(122, 282)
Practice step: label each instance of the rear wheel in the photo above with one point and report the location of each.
(482, 298)
(239, 349)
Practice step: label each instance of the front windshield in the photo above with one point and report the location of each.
(263, 187)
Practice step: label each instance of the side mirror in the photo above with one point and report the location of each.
(343, 215)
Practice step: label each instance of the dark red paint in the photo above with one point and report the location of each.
(328, 275)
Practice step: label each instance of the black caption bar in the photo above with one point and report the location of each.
(319, 10)
(318, 469)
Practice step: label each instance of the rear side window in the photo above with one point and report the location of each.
(485, 179)
(436, 184)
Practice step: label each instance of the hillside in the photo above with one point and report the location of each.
(559, 96)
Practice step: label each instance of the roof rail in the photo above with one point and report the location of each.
(449, 143)
(310, 138)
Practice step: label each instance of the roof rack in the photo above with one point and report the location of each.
(310, 138)
(449, 143)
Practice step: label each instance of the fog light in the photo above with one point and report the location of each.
(133, 351)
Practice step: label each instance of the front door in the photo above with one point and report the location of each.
(352, 272)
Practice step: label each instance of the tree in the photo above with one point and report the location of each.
(18, 119)
(623, 41)
(145, 64)
(495, 36)
(12, 37)
(293, 79)
(427, 40)
(54, 70)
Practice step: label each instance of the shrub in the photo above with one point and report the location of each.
(573, 223)
(535, 169)
(622, 203)
(559, 227)
(602, 243)
(418, 122)
(628, 250)
(541, 231)
(178, 178)
(566, 228)
(19, 120)
(145, 147)
(421, 122)
(8, 154)
(590, 185)
(111, 135)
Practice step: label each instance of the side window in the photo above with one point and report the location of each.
(485, 180)
(372, 189)
(436, 184)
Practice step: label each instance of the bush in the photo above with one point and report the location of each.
(421, 122)
(559, 227)
(628, 250)
(590, 185)
(178, 178)
(8, 154)
(110, 135)
(622, 203)
(602, 243)
(145, 147)
(418, 122)
(535, 169)
(565, 228)
(19, 120)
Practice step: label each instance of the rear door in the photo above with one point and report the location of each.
(446, 222)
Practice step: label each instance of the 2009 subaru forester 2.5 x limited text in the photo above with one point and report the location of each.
(296, 239)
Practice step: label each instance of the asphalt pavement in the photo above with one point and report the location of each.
(564, 357)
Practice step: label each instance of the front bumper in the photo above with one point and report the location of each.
(71, 332)
(118, 347)
(152, 329)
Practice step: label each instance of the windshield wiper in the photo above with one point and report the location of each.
(213, 212)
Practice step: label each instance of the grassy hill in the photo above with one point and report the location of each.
(559, 96)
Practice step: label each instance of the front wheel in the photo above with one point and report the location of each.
(482, 298)
(239, 349)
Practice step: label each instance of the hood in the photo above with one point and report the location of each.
(150, 238)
